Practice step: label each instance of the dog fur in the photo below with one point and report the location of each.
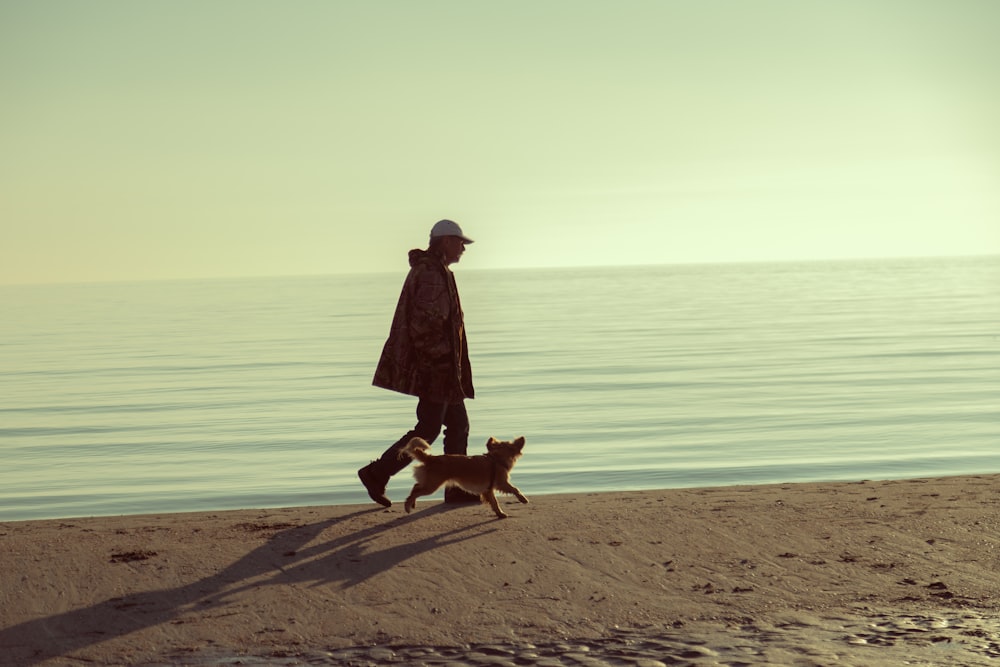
(480, 475)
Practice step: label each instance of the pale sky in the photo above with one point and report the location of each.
(192, 139)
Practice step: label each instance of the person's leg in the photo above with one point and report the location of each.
(456, 429)
(456, 441)
(375, 476)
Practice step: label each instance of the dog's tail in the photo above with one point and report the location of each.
(417, 448)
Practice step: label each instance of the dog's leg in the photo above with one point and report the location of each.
(507, 487)
(417, 491)
(423, 487)
(492, 499)
(411, 500)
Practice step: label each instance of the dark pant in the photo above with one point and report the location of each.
(431, 416)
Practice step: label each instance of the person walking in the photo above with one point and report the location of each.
(426, 355)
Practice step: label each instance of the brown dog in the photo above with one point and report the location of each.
(480, 475)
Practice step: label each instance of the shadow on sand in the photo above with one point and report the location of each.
(284, 559)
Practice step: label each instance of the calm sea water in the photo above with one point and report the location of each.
(175, 396)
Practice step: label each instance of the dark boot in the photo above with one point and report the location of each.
(454, 495)
(375, 482)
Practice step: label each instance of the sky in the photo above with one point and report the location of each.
(189, 139)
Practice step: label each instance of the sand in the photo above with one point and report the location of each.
(869, 573)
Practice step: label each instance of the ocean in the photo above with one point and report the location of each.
(174, 396)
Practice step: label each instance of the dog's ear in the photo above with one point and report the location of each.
(491, 441)
(519, 442)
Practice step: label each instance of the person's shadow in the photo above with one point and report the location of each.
(284, 557)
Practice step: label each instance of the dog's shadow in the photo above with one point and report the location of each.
(288, 557)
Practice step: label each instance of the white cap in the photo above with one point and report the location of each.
(448, 228)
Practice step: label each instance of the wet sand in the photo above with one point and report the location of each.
(869, 573)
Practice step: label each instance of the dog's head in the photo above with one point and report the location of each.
(511, 449)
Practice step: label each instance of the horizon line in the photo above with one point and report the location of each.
(548, 267)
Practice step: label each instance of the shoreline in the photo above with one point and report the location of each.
(800, 573)
(401, 484)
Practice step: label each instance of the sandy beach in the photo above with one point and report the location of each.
(868, 573)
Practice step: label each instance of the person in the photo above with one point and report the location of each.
(426, 355)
